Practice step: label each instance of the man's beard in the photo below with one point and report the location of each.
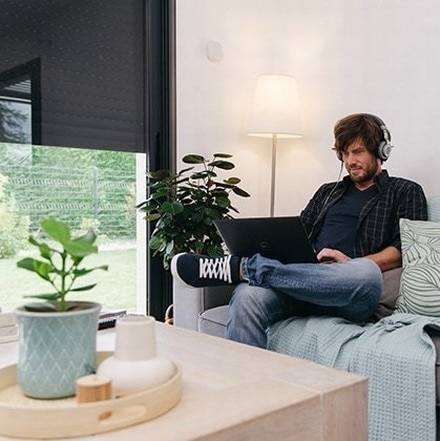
(364, 174)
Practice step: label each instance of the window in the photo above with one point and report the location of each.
(20, 104)
(102, 76)
(86, 189)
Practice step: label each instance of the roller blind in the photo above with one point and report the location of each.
(89, 90)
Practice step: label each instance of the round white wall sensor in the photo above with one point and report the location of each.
(214, 51)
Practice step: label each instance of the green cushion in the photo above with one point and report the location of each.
(420, 281)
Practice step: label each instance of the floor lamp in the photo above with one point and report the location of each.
(275, 114)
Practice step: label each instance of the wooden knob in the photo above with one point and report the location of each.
(93, 388)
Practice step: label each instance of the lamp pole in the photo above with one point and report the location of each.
(272, 177)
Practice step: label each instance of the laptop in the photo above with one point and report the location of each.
(280, 238)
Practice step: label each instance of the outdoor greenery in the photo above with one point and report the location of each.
(85, 189)
(14, 229)
(185, 204)
(80, 187)
(115, 288)
(59, 265)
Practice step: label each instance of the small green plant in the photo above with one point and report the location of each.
(186, 203)
(60, 265)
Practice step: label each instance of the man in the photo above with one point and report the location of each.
(354, 226)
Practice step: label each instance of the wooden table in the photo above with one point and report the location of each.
(233, 391)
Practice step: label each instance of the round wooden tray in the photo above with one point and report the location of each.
(22, 416)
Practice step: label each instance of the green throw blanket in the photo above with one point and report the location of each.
(395, 353)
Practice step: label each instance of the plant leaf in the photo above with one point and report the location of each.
(51, 296)
(155, 242)
(238, 191)
(185, 170)
(88, 238)
(172, 207)
(222, 155)
(193, 159)
(56, 229)
(232, 181)
(80, 249)
(159, 174)
(152, 217)
(84, 288)
(43, 269)
(83, 271)
(223, 201)
(224, 165)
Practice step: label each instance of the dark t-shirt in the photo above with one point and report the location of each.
(341, 221)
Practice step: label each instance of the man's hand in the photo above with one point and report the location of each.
(329, 255)
(387, 259)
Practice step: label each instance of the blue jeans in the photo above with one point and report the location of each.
(275, 291)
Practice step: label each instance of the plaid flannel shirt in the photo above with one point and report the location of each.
(378, 225)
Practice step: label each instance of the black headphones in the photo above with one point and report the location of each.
(384, 148)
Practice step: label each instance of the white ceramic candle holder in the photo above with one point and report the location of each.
(135, 366)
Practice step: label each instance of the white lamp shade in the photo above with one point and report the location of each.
(276, 107)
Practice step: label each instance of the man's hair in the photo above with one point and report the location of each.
(362, 126)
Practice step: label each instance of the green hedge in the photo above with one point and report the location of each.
(81, 187)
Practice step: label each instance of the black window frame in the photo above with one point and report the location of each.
(160, 136)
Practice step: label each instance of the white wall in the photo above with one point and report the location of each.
(376, 56)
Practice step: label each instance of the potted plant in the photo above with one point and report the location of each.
(57, 337)
(186, 203)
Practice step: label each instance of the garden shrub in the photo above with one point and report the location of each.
(14, 230)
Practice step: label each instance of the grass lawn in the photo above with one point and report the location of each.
(116, 288)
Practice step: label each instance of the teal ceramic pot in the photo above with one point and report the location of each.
(55, 349)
